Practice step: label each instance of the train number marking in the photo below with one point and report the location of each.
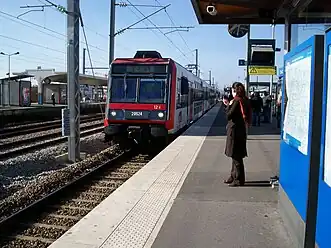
(157, 107)
(136, 113)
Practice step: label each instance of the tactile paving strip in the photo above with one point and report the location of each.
(135, 229)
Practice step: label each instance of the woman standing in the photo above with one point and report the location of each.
(239, 116)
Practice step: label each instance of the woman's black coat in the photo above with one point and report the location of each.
(235, 132)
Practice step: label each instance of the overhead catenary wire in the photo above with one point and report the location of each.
(44, 28)
(31, 43)
(183, 54)
(89, 54)
(174, 24)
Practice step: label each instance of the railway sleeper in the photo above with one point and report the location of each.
(65, 228)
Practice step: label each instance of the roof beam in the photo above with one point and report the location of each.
(197, 10)
(245, 4)
(299, 5)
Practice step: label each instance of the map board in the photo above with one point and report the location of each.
(297, 87)
(327, 148)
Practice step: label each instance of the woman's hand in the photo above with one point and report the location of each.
(231, 102)
(225, 101)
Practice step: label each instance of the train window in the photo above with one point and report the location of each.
(184, 86)
(123, 90)
(152, 90)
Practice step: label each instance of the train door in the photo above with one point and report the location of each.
(189, 109)
(185, 102)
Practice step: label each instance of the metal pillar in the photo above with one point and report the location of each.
(248, 59)
(287, 35)
(9, 69)
(272, 76)
(84, 59)
(197, 62)
(315, 147)
(73, 79)
(210, 77)
(112, 31)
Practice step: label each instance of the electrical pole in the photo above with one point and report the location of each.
(272, 77)
(9, 72)
(248, 58)
(112, 31)
(73, 79)
(84, 54)
(210, 77)
(196, 63)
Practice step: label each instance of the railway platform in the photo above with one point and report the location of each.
(179, 199)
(45, 112)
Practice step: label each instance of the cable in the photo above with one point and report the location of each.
(39, 26)
(32, 44)
(89, 55)
(174, 24)
(160, 31)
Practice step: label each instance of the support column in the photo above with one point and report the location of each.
(287, 35)
(112, 31)
(248, 59)
(73, 79)
(40, 91)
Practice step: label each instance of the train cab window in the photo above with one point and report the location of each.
(152, 90)
(123, 89)
(184, 86)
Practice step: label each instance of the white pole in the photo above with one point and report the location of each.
(272, 77)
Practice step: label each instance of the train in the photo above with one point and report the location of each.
(150, 98)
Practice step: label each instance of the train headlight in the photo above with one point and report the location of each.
(113, 113)
(161, 115)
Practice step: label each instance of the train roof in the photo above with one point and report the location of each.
(142, 61)
(154, 57)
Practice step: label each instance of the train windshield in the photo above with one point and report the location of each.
(152, 90)
(123, 89)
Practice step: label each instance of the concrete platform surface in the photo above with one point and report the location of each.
(207, 213)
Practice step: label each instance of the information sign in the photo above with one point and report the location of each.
(65, 122)
(241, 62)
(327, 148)
(262, 70)
(297, 86)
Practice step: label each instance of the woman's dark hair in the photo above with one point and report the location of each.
(239, 88)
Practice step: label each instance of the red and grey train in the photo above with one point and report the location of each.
(150, 97)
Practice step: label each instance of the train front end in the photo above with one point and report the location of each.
(137, 101)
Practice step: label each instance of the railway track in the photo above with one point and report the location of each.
(41, 126)
(18, 147)
(41, 223)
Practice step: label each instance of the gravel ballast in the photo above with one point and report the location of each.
(15, 173)
(45, 183)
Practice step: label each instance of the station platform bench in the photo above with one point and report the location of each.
(179, 200)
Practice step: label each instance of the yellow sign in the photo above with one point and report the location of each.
(262, 70)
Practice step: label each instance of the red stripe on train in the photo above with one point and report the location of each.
(137, 106)
(134, 122)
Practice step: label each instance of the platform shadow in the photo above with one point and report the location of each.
(257, 184)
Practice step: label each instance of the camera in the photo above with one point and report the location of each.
(211, 9)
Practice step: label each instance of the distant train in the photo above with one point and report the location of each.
(150, 98)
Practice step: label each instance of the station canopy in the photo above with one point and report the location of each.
(61, 77)
(262, 11)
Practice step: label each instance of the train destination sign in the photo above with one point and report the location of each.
(138, 69)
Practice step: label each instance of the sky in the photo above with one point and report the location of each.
(40, 37)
